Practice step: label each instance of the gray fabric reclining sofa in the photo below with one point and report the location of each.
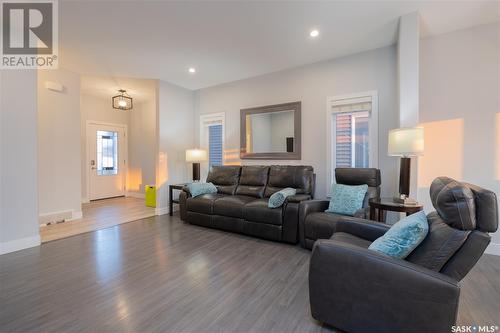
(240, 204)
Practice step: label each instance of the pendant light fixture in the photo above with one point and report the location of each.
(122, 101)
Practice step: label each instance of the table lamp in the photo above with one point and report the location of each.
(405, 142)
(196, 156)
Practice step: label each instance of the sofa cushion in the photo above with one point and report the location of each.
(253, 181)
(358, 176)
(454, 202)
(321, 225)
(203, 203)
(278, 198)
(258, 211)
(350, 239)
(225, 178)
(231, 205)
(347, 199)
(440, 244)
(198, 188)
(403, 237)
(486, 208)
(299, 177)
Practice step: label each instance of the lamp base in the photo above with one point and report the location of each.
(196, 172)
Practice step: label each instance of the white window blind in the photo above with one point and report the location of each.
(215, 145)
(351, 129)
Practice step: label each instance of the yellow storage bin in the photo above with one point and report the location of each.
(150, 191)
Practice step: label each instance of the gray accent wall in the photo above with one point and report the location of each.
(312, 84)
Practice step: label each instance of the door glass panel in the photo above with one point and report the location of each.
(107, 153)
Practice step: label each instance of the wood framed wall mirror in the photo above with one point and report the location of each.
(271, 132)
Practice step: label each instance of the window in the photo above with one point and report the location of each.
(215, 145)
(353, 132)
(352, 140)
(212, 137)
(107, 153)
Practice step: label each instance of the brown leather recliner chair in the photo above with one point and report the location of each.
(314, 223)
(358, 290)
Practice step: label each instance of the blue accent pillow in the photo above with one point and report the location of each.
(347, 199)
(403, 237)
(197, 189)
(277, 199)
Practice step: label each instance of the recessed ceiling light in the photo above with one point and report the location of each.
(192, 70)
(314, 33)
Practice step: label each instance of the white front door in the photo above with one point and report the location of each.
(107, 147)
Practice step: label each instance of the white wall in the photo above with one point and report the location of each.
(408, 80)
(18, 160)
(175, 135)
(460, 109)
(95, 108)
(59, 142)
(312, 84)
(142, 145)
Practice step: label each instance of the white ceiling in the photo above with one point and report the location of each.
(105, 86)
(228, 41)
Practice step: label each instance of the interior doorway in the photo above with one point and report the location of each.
(106, 160)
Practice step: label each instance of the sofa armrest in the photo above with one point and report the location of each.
(305, 208)
(183, 196)
(353, 288)
(366, 229)
(298, 198)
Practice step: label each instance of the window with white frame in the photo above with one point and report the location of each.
(212, 137)
(352, 129)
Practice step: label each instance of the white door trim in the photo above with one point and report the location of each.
(87, 152)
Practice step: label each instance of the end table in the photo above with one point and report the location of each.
(171, 199)
(378, 206)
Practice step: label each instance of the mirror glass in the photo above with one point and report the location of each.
(271, 132)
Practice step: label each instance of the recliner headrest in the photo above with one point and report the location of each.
(454, 202)
(358, 176)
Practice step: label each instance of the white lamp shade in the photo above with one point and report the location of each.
(406, 141)
(196, 155)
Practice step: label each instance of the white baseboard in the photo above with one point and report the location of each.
(63, 215)
(75, 215)
(493, 248)
(19, 244)
(161, 210)
(137, 195)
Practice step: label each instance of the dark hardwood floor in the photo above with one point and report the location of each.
(161, 275)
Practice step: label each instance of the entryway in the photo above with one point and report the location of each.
(106, 160)
(97, 215)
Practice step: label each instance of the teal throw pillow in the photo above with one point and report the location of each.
(278, 198)
(197, 189)
(347, 199)
(403, 237)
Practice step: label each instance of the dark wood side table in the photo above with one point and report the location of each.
(378, 206)
(171, 199)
